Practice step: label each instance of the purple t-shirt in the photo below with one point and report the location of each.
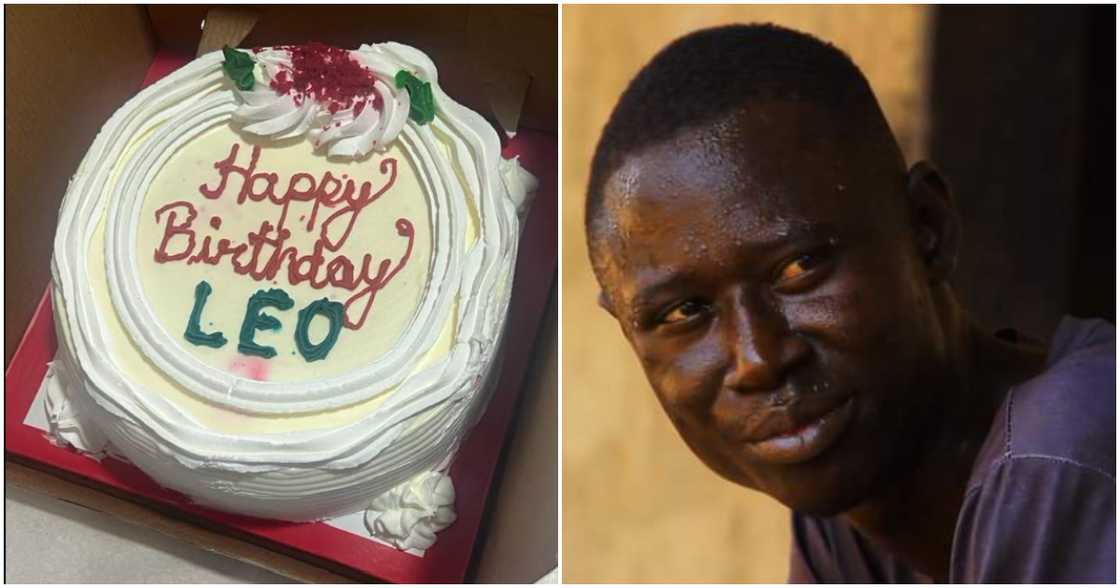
(1040, 505)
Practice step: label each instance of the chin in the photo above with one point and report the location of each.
(819, 493)
(822, 505)
(817, 498)
(820, 488)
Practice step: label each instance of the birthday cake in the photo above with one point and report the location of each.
(280, 281)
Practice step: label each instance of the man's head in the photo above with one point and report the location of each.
(778, 271)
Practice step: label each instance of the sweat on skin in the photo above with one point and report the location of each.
(783, 280)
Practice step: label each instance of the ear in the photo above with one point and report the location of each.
(934, 220)
(605, 303)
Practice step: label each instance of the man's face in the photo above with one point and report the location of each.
(764, 270)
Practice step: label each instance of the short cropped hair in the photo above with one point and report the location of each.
(707, 75)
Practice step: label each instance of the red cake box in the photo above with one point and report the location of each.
(472, 470)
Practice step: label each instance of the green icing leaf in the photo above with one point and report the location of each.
(239, 67)
(422, 106)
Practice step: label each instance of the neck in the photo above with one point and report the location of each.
(915, 518)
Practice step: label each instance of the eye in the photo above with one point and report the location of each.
(799, 267)
(682, 312)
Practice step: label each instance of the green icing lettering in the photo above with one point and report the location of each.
(255, 320)
(335, 313)
(194, 332)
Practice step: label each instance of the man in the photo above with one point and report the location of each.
(783, 278)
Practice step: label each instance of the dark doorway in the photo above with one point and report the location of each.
(1023, 107)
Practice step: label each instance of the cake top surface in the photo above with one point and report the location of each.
(297, 231)
(246, 215)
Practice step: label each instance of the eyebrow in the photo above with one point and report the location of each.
(782, 234)
(649, 290)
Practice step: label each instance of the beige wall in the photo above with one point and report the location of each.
(638, 507)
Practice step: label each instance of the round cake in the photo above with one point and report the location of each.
(281, 277)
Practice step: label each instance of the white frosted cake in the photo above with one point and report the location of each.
(281, 278)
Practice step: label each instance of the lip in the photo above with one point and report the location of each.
(807, 441)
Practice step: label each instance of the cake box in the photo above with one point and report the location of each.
(341, 551)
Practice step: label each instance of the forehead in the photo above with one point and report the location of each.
(769, 171)
(771, 157)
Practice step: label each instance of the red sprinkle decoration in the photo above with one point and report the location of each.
(330, 76)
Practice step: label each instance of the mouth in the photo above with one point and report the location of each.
(801, 439)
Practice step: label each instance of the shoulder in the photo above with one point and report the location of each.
(1037, 518)
(1067, 414)
(1049, 459)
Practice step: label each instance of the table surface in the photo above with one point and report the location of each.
(87, 546)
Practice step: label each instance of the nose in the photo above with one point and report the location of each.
(762, 348)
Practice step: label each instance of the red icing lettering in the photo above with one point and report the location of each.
(227, 167)
(171, 230)
(264, 253)
(269, 187)
(364, 198)
(382, 279)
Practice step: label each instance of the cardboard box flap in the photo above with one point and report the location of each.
(225, 26)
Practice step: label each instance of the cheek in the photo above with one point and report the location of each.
(869, 311)
(872, 333)
(687, 380)
(685, 374)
